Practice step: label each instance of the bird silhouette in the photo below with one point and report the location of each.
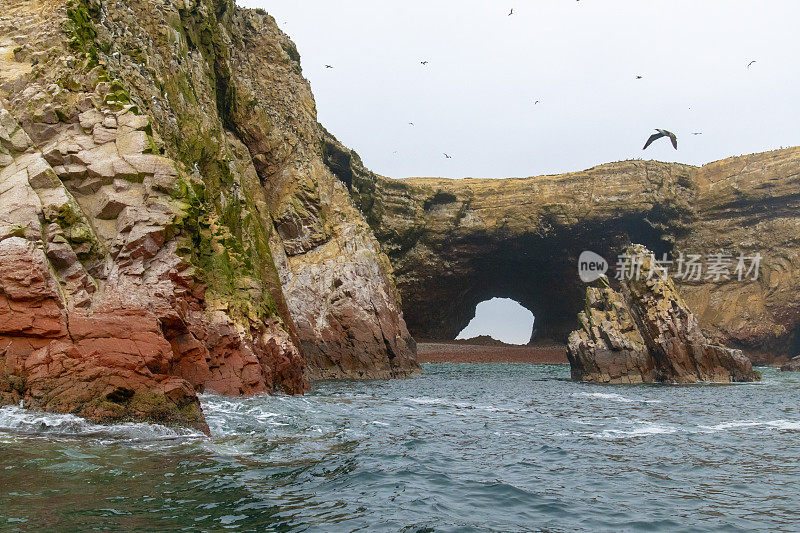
(423, 62)
(750, 63)
(638, 77)
(410, 123)
(328, 66)
(447, 156)
(511, 12)
(662, 133)
(697, 133)
(536, 102)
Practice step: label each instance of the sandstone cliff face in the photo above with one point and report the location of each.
(454, 243)
(168, 222)
(646, 333)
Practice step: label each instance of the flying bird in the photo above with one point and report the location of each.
(328, 66)
(697, 133)
(638, 77)
(536, 102)
(662, 133)
(423, 62)
(511, 12)
(410, 123)
(750, 63)
(447, 156)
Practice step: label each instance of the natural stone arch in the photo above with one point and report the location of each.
(453, 243)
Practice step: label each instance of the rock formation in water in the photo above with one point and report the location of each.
(168, 220)
(455, 243)
(792, 365)
(646, 333)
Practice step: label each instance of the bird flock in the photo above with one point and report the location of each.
(660, 132)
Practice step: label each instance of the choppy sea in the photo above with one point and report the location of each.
(470, 447)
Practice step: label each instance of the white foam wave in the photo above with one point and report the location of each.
(769, 424)
(227, 416)
(21, 421)
(614, 397)
(644, 430)
(457, 405)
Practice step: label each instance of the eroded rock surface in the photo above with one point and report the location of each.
(792, 365)
(645, 333)
(168, 223)
(455, 243)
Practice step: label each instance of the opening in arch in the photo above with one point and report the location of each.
(503, 319)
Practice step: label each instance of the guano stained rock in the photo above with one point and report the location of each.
(645, 333)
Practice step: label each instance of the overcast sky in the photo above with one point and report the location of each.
(475, 99)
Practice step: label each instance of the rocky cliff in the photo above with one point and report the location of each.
(169, 219)
(645, 333)
(454, 243)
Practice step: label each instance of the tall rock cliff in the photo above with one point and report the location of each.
(169, 222)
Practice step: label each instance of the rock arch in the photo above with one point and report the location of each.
(454, 243)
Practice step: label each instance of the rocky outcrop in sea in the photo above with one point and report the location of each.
(645, 333)
(792, 365)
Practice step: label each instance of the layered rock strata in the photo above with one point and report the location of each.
(645, 333)
(168, 222)
(455, 243)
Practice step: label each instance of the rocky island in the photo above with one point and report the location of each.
(645, 333)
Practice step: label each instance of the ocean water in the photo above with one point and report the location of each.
(492, 447)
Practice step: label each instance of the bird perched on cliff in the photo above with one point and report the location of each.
(750, 63)
(662, 133)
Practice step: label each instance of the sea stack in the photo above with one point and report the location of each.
(793, 365)
(644, 333)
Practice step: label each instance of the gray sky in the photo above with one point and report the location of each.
(503, 319)
(579, 59)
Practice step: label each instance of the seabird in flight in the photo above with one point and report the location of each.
(447, 156)
(662, 133)
(750, 63)
(328, 66)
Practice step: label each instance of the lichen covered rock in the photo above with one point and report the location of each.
(167, 222)
(645, 333)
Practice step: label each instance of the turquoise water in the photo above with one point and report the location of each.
(493, 447)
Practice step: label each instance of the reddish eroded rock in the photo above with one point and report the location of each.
(129, 357)
(105, 366)
(645, 333)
